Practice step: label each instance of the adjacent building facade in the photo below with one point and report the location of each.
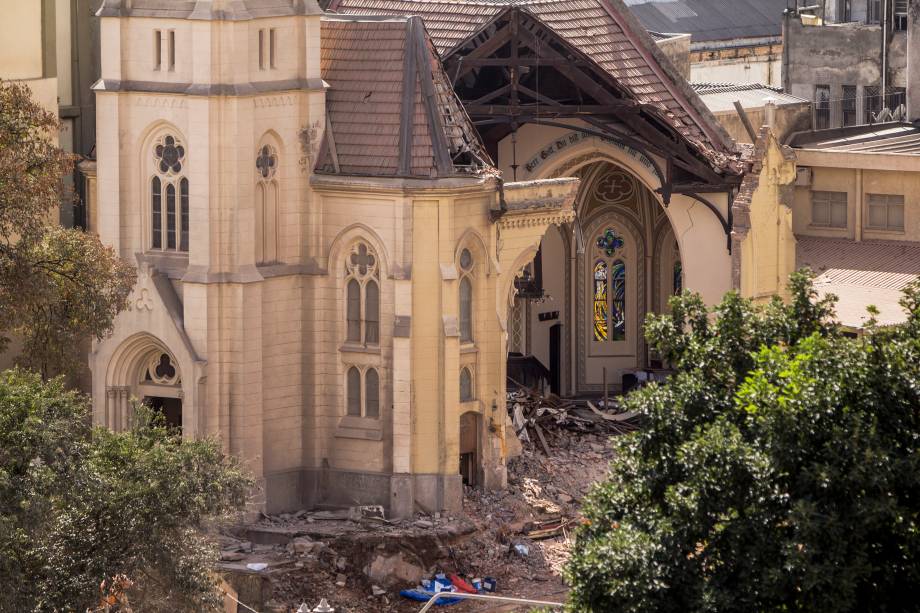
(853, 60)
(739, 42)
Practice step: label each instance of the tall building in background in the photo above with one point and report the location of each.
(850, 57)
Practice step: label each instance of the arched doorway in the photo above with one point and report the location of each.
(161, 388)
(142, 369)
(598, 278)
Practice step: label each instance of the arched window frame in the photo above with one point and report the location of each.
(362, 392)
(267, 204)
(362, 296)
(467, 384)
(610, 274)
(168, 198)
(466, 296)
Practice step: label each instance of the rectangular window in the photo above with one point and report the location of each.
(848, 105)
(172, 49)
(261, 49)
(829, 209)
(843, 11)
(157, 50)
(822, 107)
(872, 103)
(271, 48)
(874, 12)
(886, 212)
(900, 15)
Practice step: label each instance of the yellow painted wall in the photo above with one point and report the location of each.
(858, 183)
(768, 249)
(21, 36)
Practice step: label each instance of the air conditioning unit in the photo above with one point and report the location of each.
(803, 176)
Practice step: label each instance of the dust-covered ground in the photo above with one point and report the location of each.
(520, 536)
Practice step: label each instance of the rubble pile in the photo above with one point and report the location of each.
(532, 414)
(519, 538)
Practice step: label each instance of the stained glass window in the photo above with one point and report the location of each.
(610, 242)
(618, 302)
(600, 301)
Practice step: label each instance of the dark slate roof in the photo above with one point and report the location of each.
(601, 29)
(712, 20)
(391, 110)
(902, 138)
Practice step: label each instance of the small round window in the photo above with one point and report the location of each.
(466, 260)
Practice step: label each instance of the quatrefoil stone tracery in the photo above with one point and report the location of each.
(362, 261)
(266, 162)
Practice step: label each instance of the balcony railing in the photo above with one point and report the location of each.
(859, 111)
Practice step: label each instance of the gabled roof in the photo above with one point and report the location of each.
(390, 108)
(604, 30)
(712, 20)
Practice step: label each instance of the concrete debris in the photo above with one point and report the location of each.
(518, 538)
(366, 512)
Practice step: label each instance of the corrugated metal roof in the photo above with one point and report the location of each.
(601, 29)
(712, 20)
(391, 109)
(860, 274)
(897, 138)
(721, 97)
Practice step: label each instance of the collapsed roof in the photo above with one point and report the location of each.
(602, 30)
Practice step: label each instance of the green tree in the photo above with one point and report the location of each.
(58, 287)
(777, 470)
(82, 506)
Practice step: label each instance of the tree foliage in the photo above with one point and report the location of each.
(58, 287)
(82, 506)
(778, 469)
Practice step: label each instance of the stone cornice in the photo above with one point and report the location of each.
(399, 185)
(216, 89)
(536, 218)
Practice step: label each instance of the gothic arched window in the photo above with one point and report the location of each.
(609, 299)
(266, 229)
(169, 220)
(362, 400)
(353, 401)
(362, 296)
(466, 296)
(466, 385)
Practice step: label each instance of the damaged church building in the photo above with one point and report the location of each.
(346, 217)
